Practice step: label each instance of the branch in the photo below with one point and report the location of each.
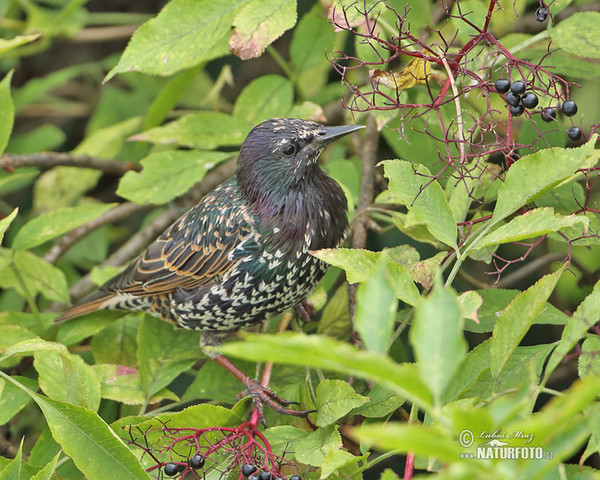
(10, 161)
(120, 211)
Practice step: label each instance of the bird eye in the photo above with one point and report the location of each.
(288, 149)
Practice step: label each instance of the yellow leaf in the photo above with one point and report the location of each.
(417, 71)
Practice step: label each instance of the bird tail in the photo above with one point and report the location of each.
(91, 303)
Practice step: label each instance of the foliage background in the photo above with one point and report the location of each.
(145, 129)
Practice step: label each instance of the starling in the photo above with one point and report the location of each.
(241, 255)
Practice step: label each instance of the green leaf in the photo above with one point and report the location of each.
(581, 321)
(7, 111)
(469, 371)
(533, 223)
(76, 330)
(167, 175)
(579, 34)
(54, 224)
(360, 264)
(335, 398)
(17, 41)
(122, 384)
(13, 399)
(312, 449)
(67, 378)
(204, 130)
(182, 35)
(12, 471)
(589, 362)
(437, 339)
(6, 221)
(382, 402)
(515, 320)
(375, 313)
(419, 439)
(38, 276)
(534, 175)
(117, 342)
(266, 97)
(413, 186)
(32, 345)
(335, 460)
(311, 38)
(329, 354)
(47, 472)
(163, 353)
(84, 437)
(258, 24)
(62, 187)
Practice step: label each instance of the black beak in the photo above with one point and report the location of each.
(330, 134)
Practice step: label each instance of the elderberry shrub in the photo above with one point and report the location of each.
(569, 108)
(529, 100)
(549, 114)
(574, 133)
(502, 85)
(248, 469)
(516, 110)
(512, 99)
(541, 14)
(518, 87)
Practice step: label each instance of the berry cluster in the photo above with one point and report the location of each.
(195, 462)
(517, 101)
(249, 471)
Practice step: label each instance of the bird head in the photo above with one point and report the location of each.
(282, 153)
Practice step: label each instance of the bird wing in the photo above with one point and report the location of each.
(192, 253)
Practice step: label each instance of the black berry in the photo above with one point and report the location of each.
(265, 476)
(541, 14)
(248, 469)
(516, 110)
(569, 108)
(253, 477)
(502, 85)
(574, 133)
(171, 469)
(295, 477)
(518, 87)
(549, 114)
(197, 461)
(512, 99)
(529, 100)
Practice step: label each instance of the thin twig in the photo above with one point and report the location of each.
(10, 161)
(102, 34)
(119, 212)
(358, 234)
(528, 269)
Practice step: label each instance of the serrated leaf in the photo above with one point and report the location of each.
(7, 111)
(163, 353)
(329, 354)
(258, 24)
(56, 223)
(517, 318)
(312, 449)
(336, 459)
(532, 223)
(182, 35)
(266, 97)
(382, 402)
(203, 130)
(413, 186)
(38, 275)
(13, 399)
(375, 313)
(5, 223)
(84, 437)
(17, 41)
(67, 378)
(335, 398)
(534, 175)
(579, 34)
(437, 339)
(47, 472)
(359, 264)
(166, 175)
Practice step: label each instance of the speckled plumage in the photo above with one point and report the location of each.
(242, 254)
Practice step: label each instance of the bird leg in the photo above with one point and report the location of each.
(305, 310)
(260, 394)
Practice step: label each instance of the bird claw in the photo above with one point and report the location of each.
(305, 310)
(264, 396)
